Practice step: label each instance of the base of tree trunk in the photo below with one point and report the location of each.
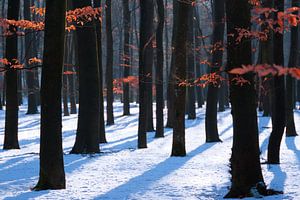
(41, 186)
(259, 191)
(291, 134)
(213, 140)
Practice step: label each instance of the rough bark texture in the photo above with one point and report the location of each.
(87, 136)
(245, 164)
(52, 175)
(11, 79)
(180, 56)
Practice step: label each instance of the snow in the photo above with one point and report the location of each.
(121, 171)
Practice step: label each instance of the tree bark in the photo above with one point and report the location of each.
(52, 174)
(87, 136)
(180, 56)
(245, 164)
(11, 80)
(159, 71)
(109, 66)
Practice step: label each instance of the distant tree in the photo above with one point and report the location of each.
(278, 96)
(145, 63)
(191, 98)
(245, 164)
(290, 81)
(97, 4)
(126, 56)
(52, 175)
(109, 65)
(32, 101)
(11, 79)
(180, 56)
(87, 135)
(159, 71)
(211, 123)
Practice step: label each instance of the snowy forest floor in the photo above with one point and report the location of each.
(121, 171)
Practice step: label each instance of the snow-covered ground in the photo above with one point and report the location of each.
(122, 171)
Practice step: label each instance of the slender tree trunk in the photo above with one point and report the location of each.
(52, 174)
(65, 95)
(160, 71)
(245, 164)
(87, 136)
(97, 4)
(126, 57)
(290, 81)
(278, 97)
(109, 65)
(211, 127)
(191, 109)
(11, 80)
(145, 62)
(180, 56)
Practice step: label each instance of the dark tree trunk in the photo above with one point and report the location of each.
(199, 90)
(159, 71)
(87, 136)
(278, 97)
(211, 127)
(126, 57)
(52, 174)
(145, 62)
(191, 109)
(99, 42)
(109, 65)
(170, 89)
(180, 56)
(245, 164)
(65, 95)
(221, 96)
(290, 81)
(11, 80)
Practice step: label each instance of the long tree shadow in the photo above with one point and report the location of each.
(291, 144)
(279, 179)
(149, 177)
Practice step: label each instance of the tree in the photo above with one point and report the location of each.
(180, 56)
(32, 103)
(211, 127)
(159, 71)
(126, 57)
(52, 175)
(145, 63)
(278, 96)
(11, 79)
(109, 65)
(87, 135)
(245, 164)
(290, 81)
(97, 4)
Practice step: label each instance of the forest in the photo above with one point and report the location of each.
(149, 99)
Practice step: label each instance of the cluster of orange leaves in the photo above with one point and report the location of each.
(263, 70)
(79, 16)
(133, 81)
(16, 64)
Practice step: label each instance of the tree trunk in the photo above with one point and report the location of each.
(97, 4)
(191, 109)
(52, 174)
(290, 81)
(126, 57)
(145, 63)
(160, 71)
(109, 66)
(245, 164)
(87, 136)
(180, 56)
(278, 97)
(11, 80)
(211, 127)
